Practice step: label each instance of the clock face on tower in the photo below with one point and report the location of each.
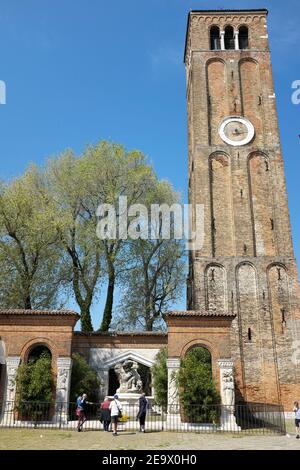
(236, 131)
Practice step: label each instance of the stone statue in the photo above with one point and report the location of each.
(128, 376)
(10, 388)
(228, 389)
(62, 378)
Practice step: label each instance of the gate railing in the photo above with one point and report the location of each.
(246, 418)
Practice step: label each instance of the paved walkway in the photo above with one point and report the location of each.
(93, 440)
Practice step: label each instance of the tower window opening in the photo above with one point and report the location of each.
(249, 334)
(215, 41)
(283, 315)
(243, 37)
(279, 274)
(229, 38)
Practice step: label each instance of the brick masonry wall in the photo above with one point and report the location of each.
(83, 342)
(247, 262)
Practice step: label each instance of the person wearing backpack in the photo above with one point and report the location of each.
(115, 413)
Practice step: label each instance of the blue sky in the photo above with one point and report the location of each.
(77, 71)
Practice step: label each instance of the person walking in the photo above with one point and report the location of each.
(143, 407)
(115, 412)
(80, 411)
(105, 417)
(296, 410)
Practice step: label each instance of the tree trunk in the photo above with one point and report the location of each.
(149, 324)
(84, 304)
(148, 316)
(85, 319)
(107, 315)
(27, 302)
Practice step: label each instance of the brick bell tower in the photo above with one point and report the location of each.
(246, 265)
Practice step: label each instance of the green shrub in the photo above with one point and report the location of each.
(83, 380)
(160, 378)
(34, 384)
(197, 390)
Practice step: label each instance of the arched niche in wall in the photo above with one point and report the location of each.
(251, 94)
(278, 283)
(248, 317)
(221, 205)
(216, 288)
(218, 107)
(261, 202)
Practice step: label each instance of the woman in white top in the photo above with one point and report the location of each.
(296, 410)
(115, 411)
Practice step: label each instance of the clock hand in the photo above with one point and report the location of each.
(237, 132)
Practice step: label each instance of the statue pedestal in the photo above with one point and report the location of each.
(228, 420)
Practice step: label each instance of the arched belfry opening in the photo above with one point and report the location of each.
(243, 37)
(215, 41)
(229, 38)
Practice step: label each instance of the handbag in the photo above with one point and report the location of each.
(119, 411)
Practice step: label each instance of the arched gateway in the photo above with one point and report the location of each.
(25, 334)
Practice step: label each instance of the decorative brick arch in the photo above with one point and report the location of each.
(211, 348)
(39, 341)
(21, 330)
(204, 343)
(188, 329)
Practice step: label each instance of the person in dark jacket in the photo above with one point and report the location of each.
(143, 406)
(105, 417)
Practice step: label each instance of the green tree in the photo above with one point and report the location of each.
(76, 214)
(115, 172)
(78, 186)
(155, 270)
(153, 282)
(32, 271)
(34, 388)
(160, 378)
(83, 379)
(197, 390)
(34, 380)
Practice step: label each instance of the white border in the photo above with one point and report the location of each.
(242, 120)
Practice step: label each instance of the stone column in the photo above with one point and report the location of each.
(236, 40)
(64, 369)
(222, 34)
(228, 421)
(173, 417)
(12, 364)
(152, 389)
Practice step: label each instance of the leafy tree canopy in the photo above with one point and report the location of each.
(160, 378)
(83, 380)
